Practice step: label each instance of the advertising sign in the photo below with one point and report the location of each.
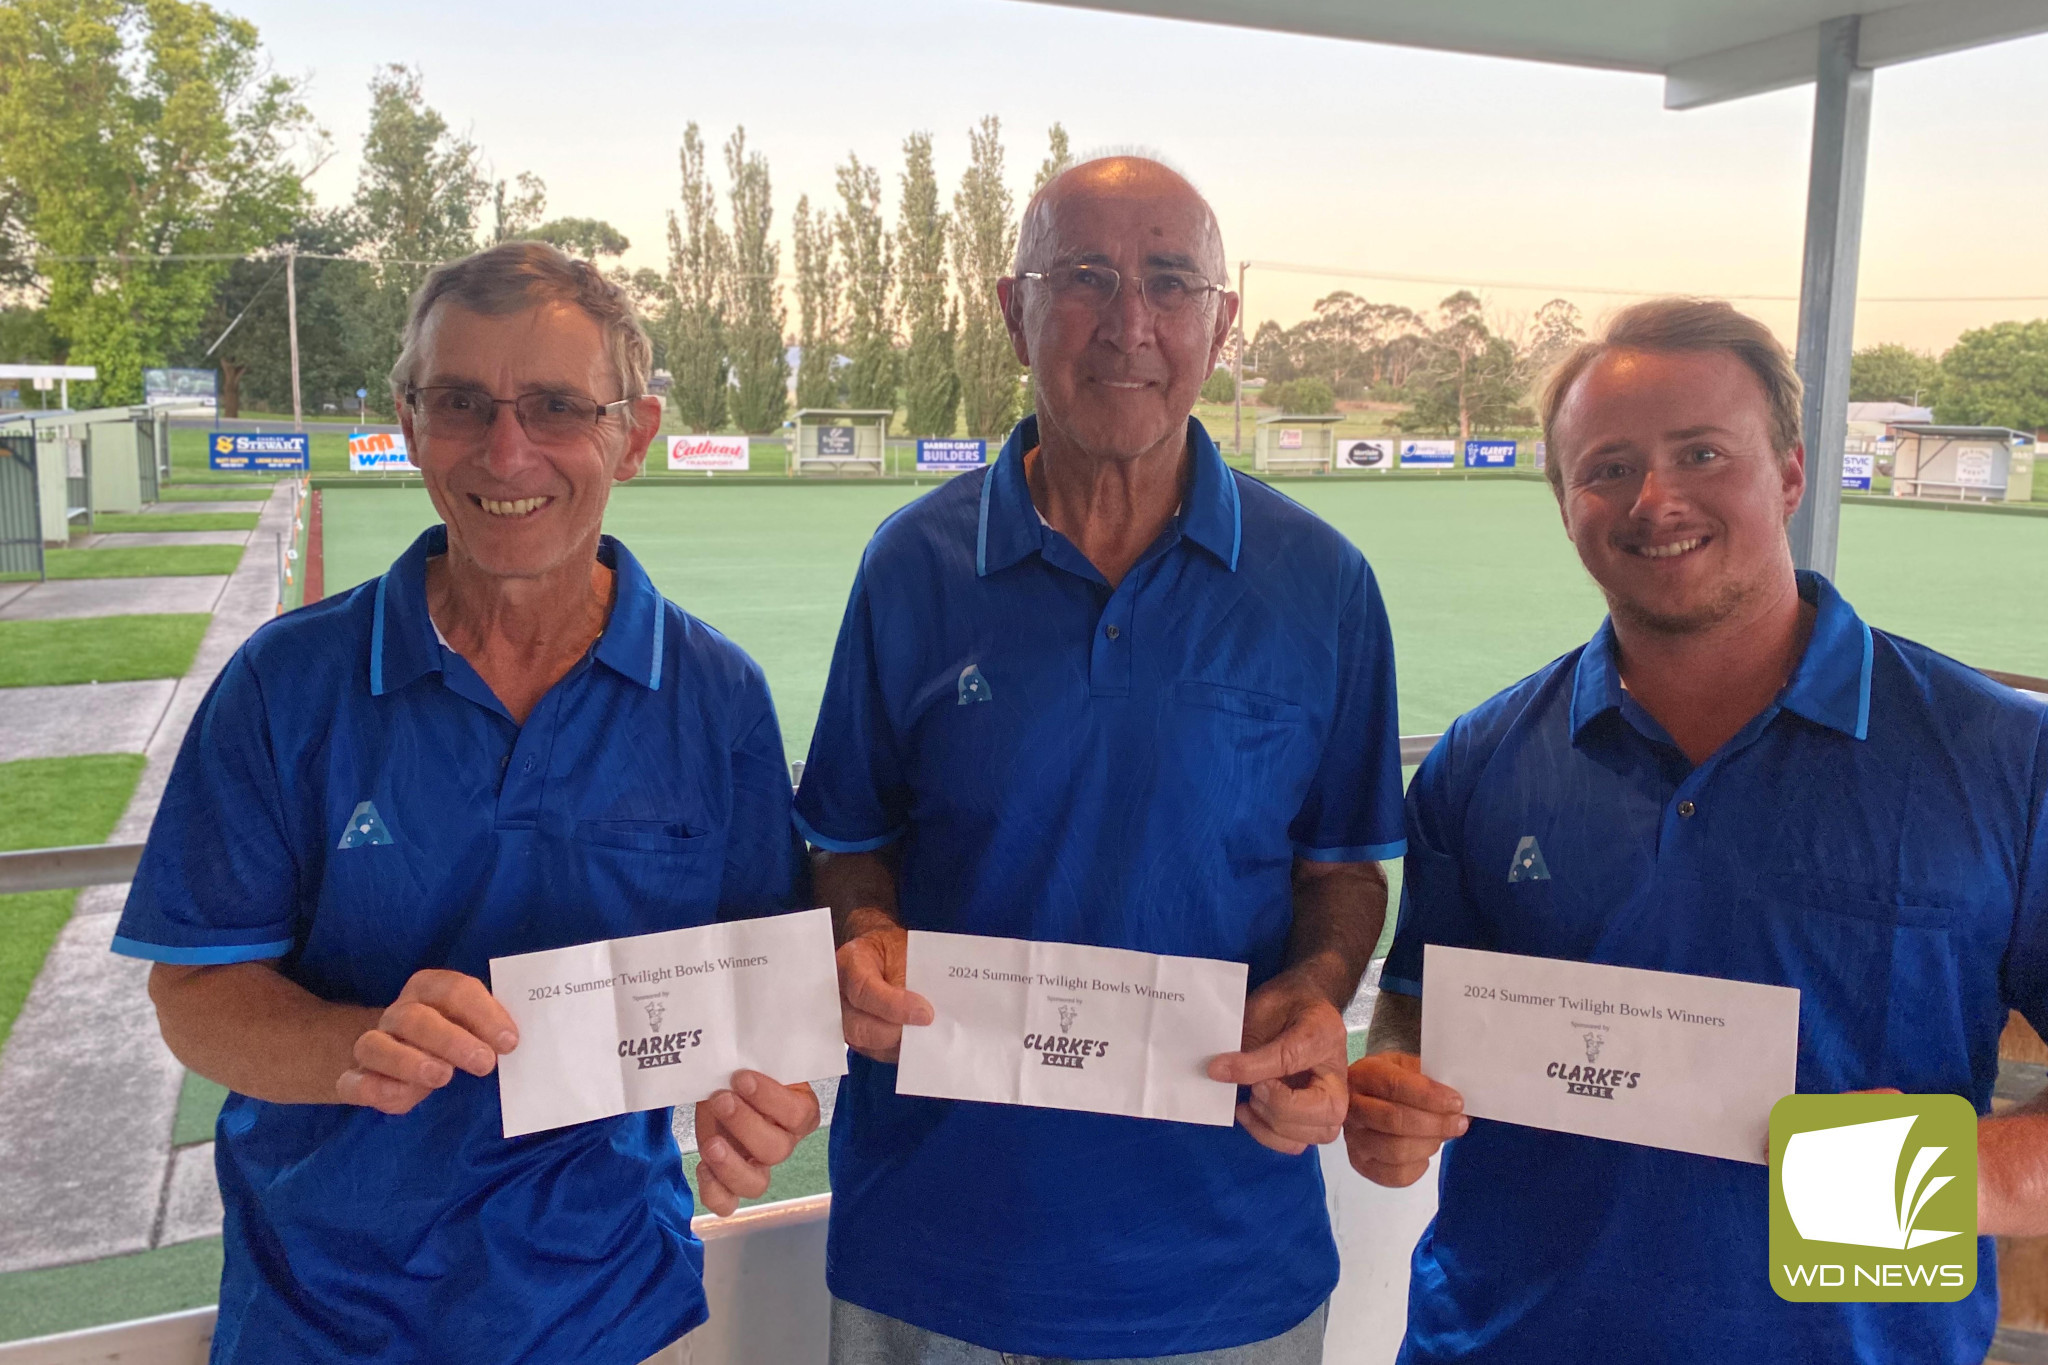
(1857, 469)
(1489, 454)
(379, 452)
(1542, 454)
(708, 453)
(1428, 454)
(1973, 466)
(941, 456)
(1355, 452)
(835, 443)
(257, 452)
(199, 387)
(1290, 438)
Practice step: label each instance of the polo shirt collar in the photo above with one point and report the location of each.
(1010, 527)
(1830, 686)
(405, 648)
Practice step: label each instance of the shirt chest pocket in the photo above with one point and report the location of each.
(640, 876)
(1251, 752)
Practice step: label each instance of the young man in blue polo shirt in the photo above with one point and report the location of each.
(1738, 778)
(509, 742)
(1105, 692)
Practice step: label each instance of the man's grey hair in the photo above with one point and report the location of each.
(514, 276)
(1035, 229)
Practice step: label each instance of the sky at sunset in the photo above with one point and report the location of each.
(1511, 177)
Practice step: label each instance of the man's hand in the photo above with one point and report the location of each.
(440, 1021)
(873, 1005)
(1293, 1060)
(744, 1131)
(1399, 1117)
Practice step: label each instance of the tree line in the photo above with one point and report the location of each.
(1994, 376)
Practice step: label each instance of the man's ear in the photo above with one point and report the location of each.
(1012, 302)
(1794, 472)
(1226, 318)
(645, 424)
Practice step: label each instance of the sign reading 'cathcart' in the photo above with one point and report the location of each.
(639, 1023)
(1062, 1026)
(708, 453)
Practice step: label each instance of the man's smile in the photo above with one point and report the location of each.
(517, 507)
(1670, 551)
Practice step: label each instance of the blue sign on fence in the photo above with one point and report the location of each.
(1428, 454)
(246, 451)
(1489, 454)
(941, 456)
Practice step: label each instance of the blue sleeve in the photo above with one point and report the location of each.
(854, 798)
(765, 869)
(1352, 813)
(219, 880)
(2026, 966)
(1434, 906)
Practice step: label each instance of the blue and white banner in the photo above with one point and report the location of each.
(1489, 454)
(1857, 467)
(378, 452)
(945, 456)
(246, 451)
(1429, 454)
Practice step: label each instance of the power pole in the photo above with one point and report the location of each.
(291, 315)
(1237, 414)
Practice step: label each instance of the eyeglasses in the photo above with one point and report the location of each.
(1095, 286)
(457, 412)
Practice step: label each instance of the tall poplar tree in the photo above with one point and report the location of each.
(697, 252)
(817, 303)
(869, 259)
(1057, 155)
(753, 299)
(984, 243)
(931, 388)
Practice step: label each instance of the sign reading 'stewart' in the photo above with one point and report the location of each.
(658, 1019)
(1063, 1026)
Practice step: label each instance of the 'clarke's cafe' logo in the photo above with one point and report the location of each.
(1589, 1078)
(1062, 1048)
(659, 1049)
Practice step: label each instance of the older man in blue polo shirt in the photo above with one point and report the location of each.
(1738, 778)
(509, 742)
(1106, 692)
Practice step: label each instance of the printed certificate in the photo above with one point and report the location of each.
(1692, 1063)
(639, 1023)
(1061, 1026)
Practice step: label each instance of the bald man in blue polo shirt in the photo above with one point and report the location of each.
(1738, 778)
(509, 742)
(1105, 692)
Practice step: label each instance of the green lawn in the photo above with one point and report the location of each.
(98, 649)
(174, 521)
(143, 561)
(119, 1289)
(803, 1174)
(51, 803)
(199, 1102)
(220, 492)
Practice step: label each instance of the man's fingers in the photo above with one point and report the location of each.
(792, 1108)
(869, 992)
(870, 1037)
(1313, 1114)
(715, 1195)
(759, 1138)
(1382, 1077)
(379, 1053)
(1401, 1120)
(1263, 1133)
(382, 1093)
(425, 1028)
(1394, 1175)
(743, 1178)
(468, 1002)
(1309, 1042)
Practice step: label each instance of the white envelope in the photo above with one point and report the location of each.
(1062, 1026)
(659, 1019)
(1691, 1063)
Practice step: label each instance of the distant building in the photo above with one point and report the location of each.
(1872, 423)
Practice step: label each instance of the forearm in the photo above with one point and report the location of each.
(2012, 1172)
(249, 1029)
(1339, 909)
(1396, 1024)
(860, 888)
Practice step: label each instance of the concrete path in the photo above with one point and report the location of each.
(138, 540)
(69, 598)
(88, 1092)
(179, 509)
(88, 718)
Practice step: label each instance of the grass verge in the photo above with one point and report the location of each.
(199, 1102)
(66, 1298)
(218, 492)
(805, 1173)
(143, 561)
(98, 649)
(174, 521)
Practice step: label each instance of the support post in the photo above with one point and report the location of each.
(291, 315)
(1237, 409)
(1827, 289)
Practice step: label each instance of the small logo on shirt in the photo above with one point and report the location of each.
(974, 687)
(1528, 864)
(365, 828)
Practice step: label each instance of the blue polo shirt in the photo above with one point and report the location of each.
(353, 802)
(1130, 768)
(1876, 838)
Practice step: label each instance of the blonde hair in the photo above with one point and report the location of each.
(1682, 324)
(514, 276)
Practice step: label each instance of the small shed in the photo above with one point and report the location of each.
(1965, 464)
(840, 440)
(1293, 443)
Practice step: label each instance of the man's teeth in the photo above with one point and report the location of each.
(517, 508)
(1667, 551)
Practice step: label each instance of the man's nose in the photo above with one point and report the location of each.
(506, 448)
(1127, 321)
(1659, 498)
